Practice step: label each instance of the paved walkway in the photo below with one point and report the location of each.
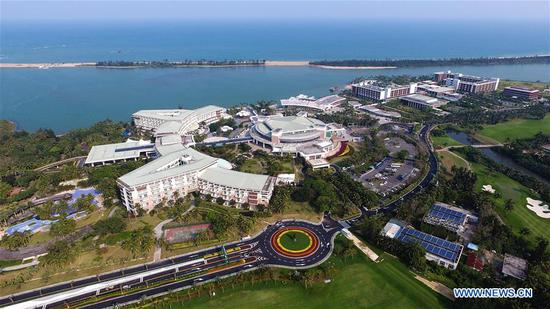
(158, 235)
(361, 245)
(437, 287)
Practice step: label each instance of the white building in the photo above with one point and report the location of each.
(322, 104)
(309, 138)
(421, 101)
(177, 121)
(177, 169)
(379, 91)
(186, 170)
(121, 152)
(466, 83)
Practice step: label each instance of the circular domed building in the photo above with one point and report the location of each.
(308, 137)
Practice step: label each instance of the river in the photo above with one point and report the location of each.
(466, 139)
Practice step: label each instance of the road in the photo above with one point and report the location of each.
(433, 165)
(135, 283)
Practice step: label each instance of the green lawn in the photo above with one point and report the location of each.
(252, 166)
(359, 284)
(448, 160)
(444, 141)
(508, 188)
(295, 241)
(516, 129)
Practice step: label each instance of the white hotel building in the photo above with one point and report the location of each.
(179, 170)
(177, 121)
(187, 170)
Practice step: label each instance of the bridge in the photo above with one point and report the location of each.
(473, 146)
(57, 164)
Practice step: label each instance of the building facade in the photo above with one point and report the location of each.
(181, 172)
(178, 121)
(374, 90)
(466, 83)
(522, 93)
(421, 101)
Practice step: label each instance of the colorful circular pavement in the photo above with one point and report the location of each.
(309, 242)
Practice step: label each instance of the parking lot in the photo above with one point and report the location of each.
(389, 176)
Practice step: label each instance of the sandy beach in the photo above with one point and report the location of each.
(93, 64)
(286, 63)
(350, 68)
(46, 65)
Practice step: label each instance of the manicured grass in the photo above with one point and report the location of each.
(295, 241)
(448, 160)
(358, 284)
(519, 217)
(444, 141)
(516, 129)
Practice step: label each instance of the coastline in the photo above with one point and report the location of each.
(330, 67)
(268, 63)
(47, 65)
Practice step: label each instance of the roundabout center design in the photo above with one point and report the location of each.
(295, 242)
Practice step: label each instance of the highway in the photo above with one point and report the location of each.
(135, 283)
(132, 284)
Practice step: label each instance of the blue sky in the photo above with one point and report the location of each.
(77, 10)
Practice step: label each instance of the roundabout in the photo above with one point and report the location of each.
(295, 242)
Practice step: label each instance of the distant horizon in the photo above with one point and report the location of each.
(413, 10)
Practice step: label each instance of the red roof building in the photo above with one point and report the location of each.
(474, 261)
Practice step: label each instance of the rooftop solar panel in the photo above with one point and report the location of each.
(432, 244)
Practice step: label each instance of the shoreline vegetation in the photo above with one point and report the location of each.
(355, 63)
(323, 64)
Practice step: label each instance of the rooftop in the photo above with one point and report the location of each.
(514, 266)
(120, 151)
(288, 124)
(169, 165)
(420, 98)
(234, 179)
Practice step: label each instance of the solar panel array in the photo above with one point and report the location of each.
(451, 216)
(437, 246)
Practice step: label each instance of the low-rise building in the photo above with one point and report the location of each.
(322, 104)
(421, 101)
(514, 266)
(373, 110)
(379, 91)
(435, 91)
(439, 250)
(522, 93)
(450, 217)
(120, 152)
(177, 121)
(181, 172)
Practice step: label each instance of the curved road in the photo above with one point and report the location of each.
(172, 274)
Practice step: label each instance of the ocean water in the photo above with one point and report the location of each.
(63, 99)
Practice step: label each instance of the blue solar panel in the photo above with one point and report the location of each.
(432, 244)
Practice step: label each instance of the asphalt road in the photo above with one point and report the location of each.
(250, 253)
(211, 264)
